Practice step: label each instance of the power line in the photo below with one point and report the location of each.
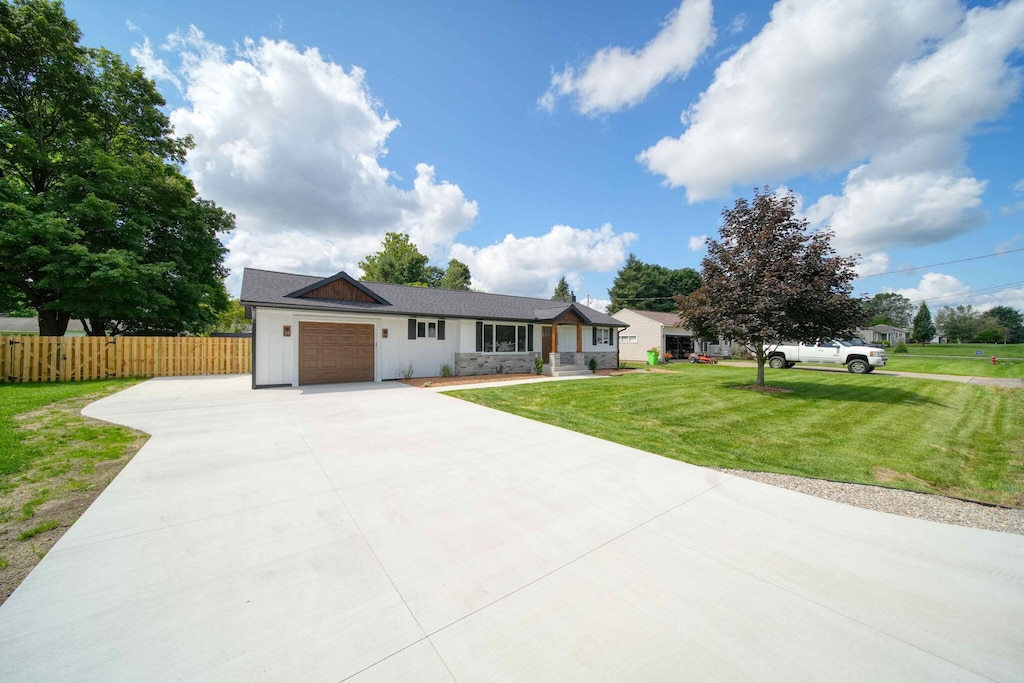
(944, 263)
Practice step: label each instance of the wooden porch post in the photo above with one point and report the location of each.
(579, 338)
(554, 337)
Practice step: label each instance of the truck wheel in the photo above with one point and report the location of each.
(858, 367)
(777, 362)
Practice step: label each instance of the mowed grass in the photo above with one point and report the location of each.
(952, 365)
(967, 350)
(920, 435)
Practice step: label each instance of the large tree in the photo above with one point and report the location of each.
(456, 276)
(98, 222)
(1011, 319)
(889, 308)
(561, 292)
(649, 286)
(400, 262)
(767, 279)
(924, 328)
(961, 323)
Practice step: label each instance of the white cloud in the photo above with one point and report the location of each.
(893, 88)
(1009, 244)
(1019, 186)
(939, 289)
(873, 264)
(697, 242)
(739, 23)
(616, 78)
(530, 266)
(910, 210)
(154, 67)
(293, 144)
(597, 304)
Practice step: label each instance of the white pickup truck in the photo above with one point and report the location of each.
(858, 356)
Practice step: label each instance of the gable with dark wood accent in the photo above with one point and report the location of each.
(339, 287)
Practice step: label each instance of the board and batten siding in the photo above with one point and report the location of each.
(276, 360)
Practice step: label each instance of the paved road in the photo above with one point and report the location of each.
(962, 379)
(381, 532)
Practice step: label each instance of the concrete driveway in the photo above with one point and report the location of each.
(380, 532)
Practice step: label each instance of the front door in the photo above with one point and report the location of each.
(545, 343)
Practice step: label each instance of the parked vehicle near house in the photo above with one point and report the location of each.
(858, 356)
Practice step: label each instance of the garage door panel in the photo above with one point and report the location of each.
(335, 352)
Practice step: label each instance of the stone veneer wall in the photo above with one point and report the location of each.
(492, 363)
(606, 360)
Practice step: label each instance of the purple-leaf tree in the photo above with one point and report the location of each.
(768, 278)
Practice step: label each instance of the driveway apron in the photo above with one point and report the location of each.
(380, 532)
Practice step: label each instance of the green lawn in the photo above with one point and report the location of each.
(956, 365)
(967, 350)
(921, 435)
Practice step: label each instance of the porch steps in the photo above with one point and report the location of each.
(567, 370)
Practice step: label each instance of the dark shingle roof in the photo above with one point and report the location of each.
(269, 288)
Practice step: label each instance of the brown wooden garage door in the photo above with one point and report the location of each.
(335, 352)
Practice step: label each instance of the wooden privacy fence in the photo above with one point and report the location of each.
(71, 359)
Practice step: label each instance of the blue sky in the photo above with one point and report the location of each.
(536, 139)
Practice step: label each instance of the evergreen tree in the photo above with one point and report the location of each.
(924, 328)
(399, 262)
(562, 292)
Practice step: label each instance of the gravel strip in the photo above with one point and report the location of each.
(908, 503)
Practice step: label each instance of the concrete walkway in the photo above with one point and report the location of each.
(385, 533)
(1007, 382)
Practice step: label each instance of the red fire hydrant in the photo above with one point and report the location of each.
(992, 360)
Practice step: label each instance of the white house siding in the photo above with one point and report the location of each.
(274, 362)
(277, 356)
(649, 333)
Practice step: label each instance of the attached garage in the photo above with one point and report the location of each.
(335, 352)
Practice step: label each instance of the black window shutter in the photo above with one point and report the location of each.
(479, 337)
(611, 336)
(440, 330)
(412, 328)
(594, 330)
(529, 337)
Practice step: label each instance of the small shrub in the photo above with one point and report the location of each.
(592, 364)
(538, 365)
(900, 348)
(407, 373)
(426, 384)
(446, 370)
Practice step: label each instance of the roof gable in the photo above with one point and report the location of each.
(338, 287)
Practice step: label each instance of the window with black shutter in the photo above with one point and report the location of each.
(440, 330)
(412, 328)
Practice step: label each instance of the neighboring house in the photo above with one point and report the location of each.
(876, 334)
(655, 329)
(313, 330)
(11, 325)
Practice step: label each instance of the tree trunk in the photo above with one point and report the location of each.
(759, 348)
(94, 328)
(53, 323)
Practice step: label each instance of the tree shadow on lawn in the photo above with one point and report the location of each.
(797, 390)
